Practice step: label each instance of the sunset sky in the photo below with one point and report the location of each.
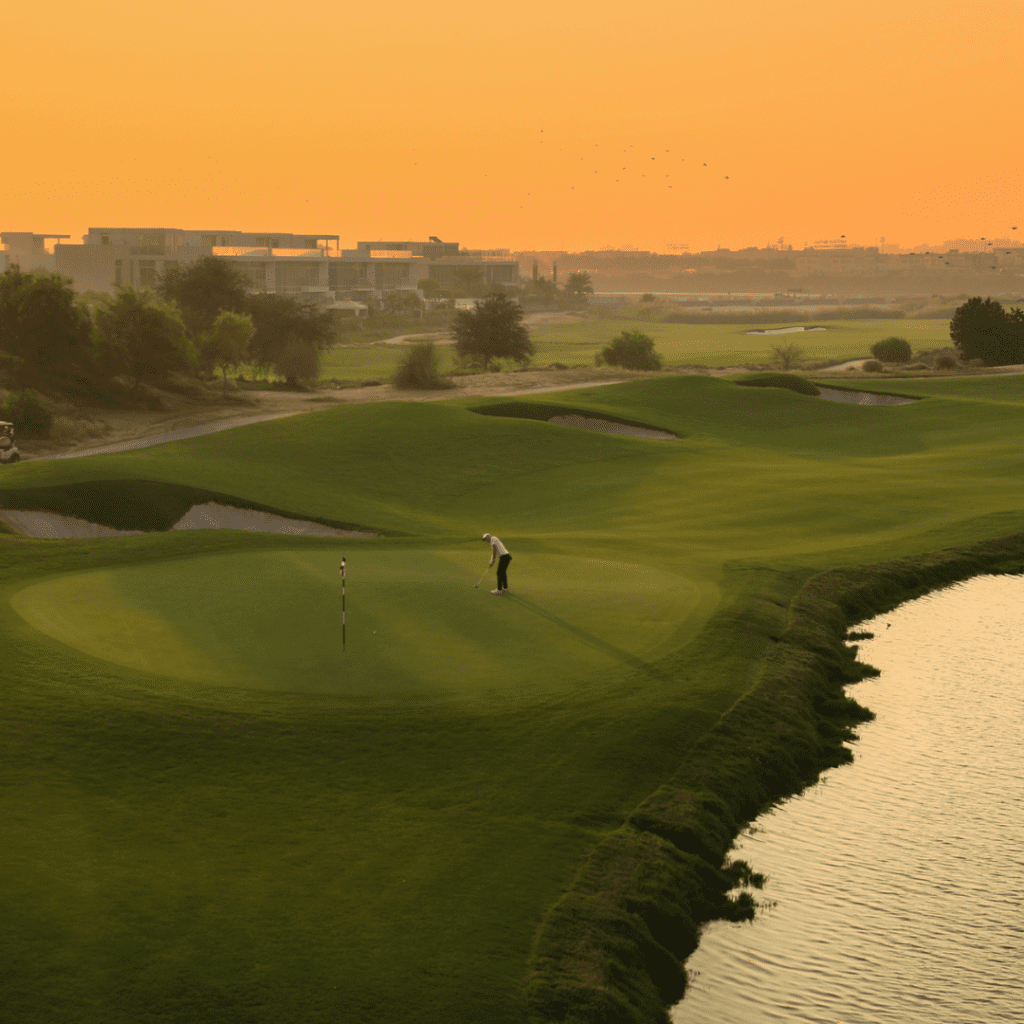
(524, 126)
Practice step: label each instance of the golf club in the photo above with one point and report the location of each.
(478, 582)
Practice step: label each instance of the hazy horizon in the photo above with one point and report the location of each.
(536, 128)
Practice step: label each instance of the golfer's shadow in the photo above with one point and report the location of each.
(581, 634)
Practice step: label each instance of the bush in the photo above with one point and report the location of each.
(632, 350)
(788, 354)
(26, 411)
(892, 350)
(418, 370)
(298, 362)
(790, 381)
(872, 366)
(945, 362)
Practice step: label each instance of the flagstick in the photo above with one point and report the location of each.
(343, 603)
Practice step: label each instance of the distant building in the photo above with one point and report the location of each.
(28, 251)
(281, 262)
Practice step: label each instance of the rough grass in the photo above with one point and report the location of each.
(577, 344)
(789, 381)
(190, 853)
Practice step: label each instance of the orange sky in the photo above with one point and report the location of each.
(528, 125)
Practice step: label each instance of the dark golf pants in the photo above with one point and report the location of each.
(503, 571)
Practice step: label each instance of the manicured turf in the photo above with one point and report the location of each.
(416, 623)
(178, 847)
(678, 344)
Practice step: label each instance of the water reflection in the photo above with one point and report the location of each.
(897, 882)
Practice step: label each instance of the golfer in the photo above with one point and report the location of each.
(499, 552)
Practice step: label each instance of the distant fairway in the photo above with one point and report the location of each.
(415, 622)
(679, 344)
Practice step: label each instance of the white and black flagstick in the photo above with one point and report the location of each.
(341, 569)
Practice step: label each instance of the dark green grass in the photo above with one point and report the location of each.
(176, 851)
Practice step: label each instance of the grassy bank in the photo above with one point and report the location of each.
(229, 830)
(612, 948)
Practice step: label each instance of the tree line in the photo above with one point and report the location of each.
(200, 318)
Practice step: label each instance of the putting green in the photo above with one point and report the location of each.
(272, 619)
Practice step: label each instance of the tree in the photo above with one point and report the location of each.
(493, 330)
(632, 350)
(227, 342)
(469, 282)
(578, 285)
(204, 288)
(298, 361)
(789, 354)
(280, 320)
(402, 302)
(982, 329)
(143, 338)
(44, 329)
(542, 288)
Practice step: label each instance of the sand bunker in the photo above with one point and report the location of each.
(863, 397)
(211, 516)
(788, 330)
(608, 427)
(50, 526)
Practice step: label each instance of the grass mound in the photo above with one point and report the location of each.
(789, 381)
(546, 411)
(127, 504)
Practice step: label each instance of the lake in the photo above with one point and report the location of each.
(897, 882)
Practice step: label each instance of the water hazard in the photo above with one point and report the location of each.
(899, 880)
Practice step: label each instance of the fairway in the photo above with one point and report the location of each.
(416, 623)
(576, 344)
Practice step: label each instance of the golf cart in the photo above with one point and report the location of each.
(8, 450)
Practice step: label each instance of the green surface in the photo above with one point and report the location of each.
(416, 623)
(678, 344)
(178, 847)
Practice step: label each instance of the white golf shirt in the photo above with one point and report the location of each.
(497, 547)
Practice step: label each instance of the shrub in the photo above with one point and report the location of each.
(789, 354)
(790, 381)
(892, 350)
(298, 362)
(26, 411)
(418, 370)
(632, 350)
(945, 362)
(872, 366)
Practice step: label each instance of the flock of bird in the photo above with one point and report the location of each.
(627, 166)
